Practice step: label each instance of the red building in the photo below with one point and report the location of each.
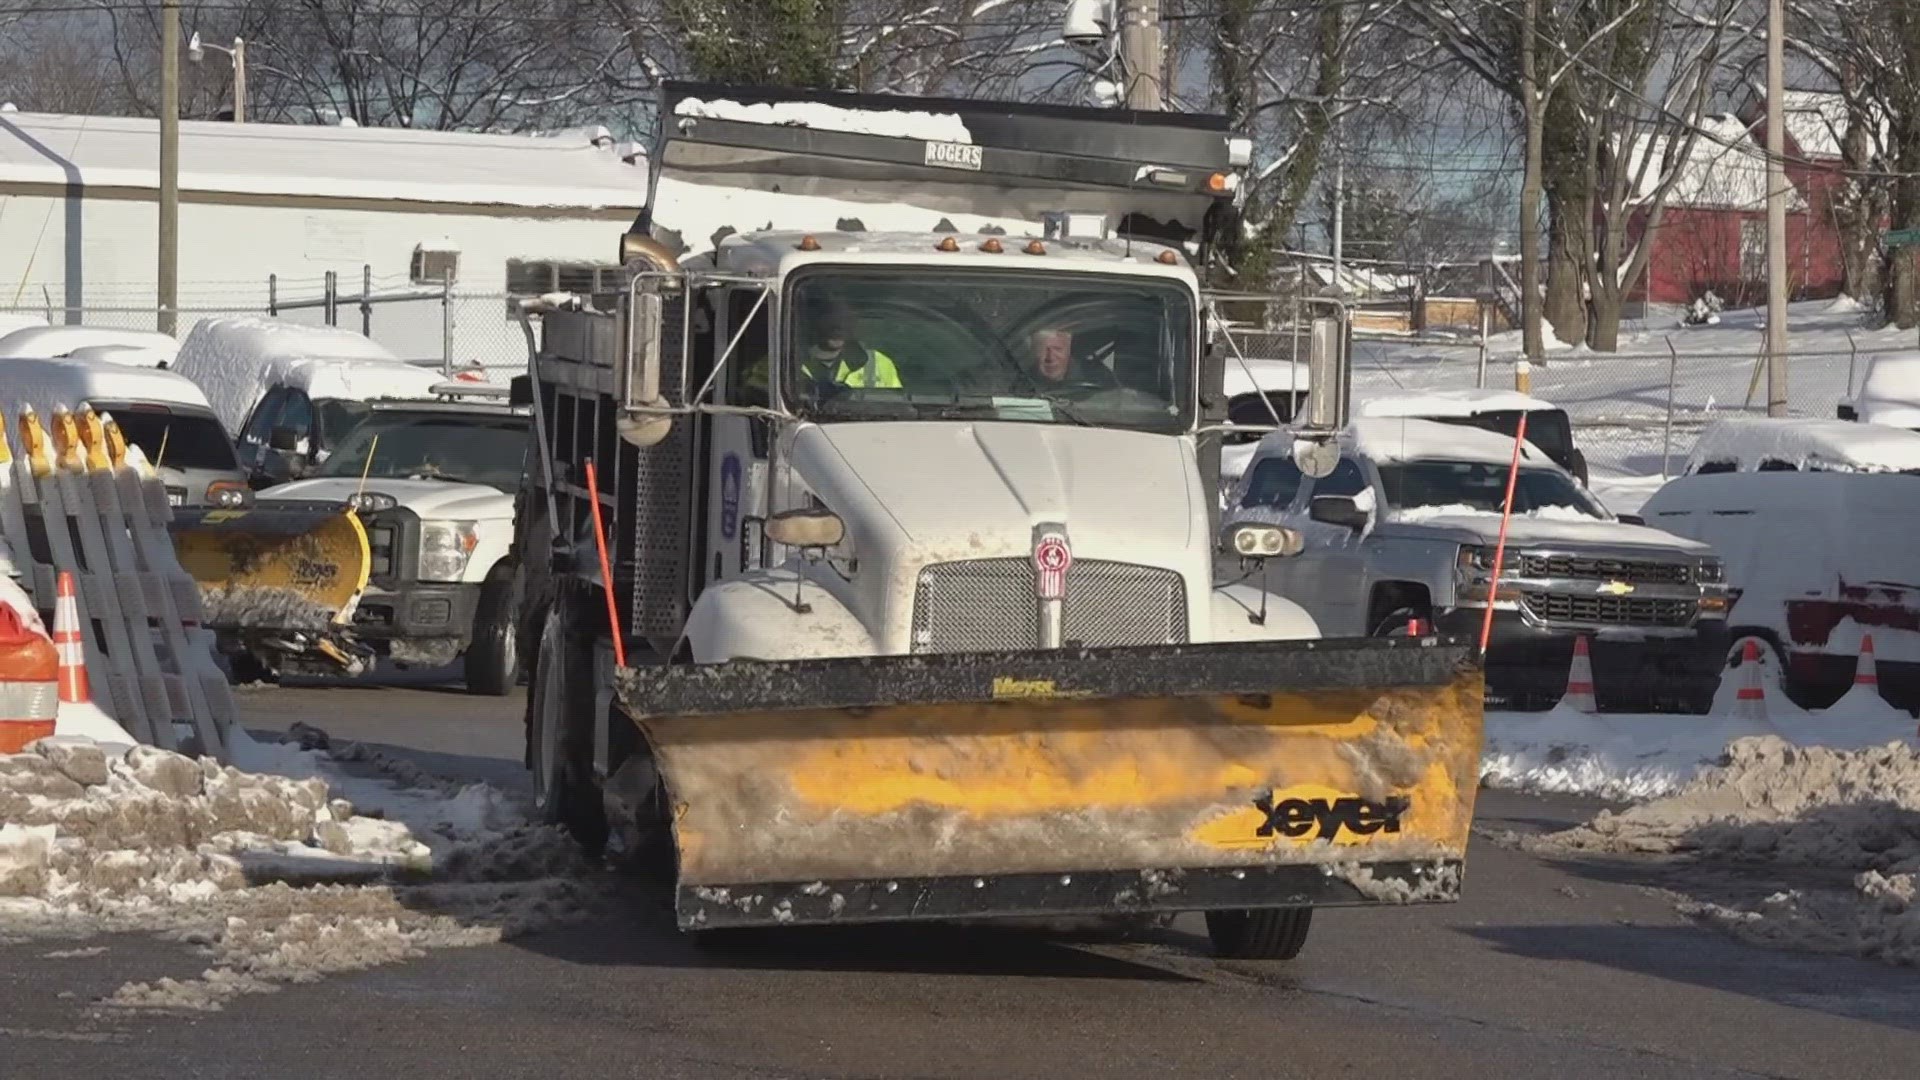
(1713, 235)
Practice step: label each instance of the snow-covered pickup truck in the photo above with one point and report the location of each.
(434, 483)
(1403, 528)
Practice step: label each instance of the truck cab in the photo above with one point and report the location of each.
(949, 484)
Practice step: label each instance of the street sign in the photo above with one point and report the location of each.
(1900, 237)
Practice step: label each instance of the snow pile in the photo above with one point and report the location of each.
(276, 877)
(897, 123)
(1773, 803)
(1642, 756)
(698, 212)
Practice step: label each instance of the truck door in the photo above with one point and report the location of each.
(740, 444)
(1331, 579)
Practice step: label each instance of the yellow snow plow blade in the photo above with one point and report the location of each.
(1273, 774)
(278, 569)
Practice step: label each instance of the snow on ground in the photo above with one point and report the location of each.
(264, 865)
(1618, 402)
(1770, 802)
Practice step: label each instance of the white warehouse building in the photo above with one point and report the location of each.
(504, 214)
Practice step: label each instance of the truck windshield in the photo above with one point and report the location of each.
(460, 447)
(1480, 486)
(177, 440)
(1053, 347)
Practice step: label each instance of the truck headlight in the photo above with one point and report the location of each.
(1712, 572)
(367, 502)
(227, 494)
(1478, 562)
(445, 547)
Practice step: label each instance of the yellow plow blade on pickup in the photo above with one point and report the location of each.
(1172, 778)
(276, 569)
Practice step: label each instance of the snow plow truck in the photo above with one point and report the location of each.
(868, 562)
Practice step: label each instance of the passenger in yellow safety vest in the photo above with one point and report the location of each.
(837, 357)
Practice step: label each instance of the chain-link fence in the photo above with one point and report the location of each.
(426, 325)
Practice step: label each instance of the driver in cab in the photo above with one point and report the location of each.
(836, 357)
(1052, 360)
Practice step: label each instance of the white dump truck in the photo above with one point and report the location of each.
(867, 555)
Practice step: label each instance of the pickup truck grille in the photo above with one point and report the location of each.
(1632, 571)
(1610, 610)
(980, 605)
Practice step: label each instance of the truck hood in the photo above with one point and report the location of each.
(1118, 490)
(428, 498)
(1525, 531)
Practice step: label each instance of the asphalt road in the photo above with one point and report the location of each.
(1545, 969)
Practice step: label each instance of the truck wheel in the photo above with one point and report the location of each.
(493, 659)
(559, 712)
(244, 668)
(1395, 623)
(1261, 934)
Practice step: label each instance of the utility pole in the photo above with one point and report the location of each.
(1339, 210)
(1776, 213)
(1140, 54)
(168, 300)
(239, 81)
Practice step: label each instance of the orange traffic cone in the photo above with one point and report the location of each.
(74, 688)
(1579, 696)
(29, 669)
(1866, 673)
(1751, 702)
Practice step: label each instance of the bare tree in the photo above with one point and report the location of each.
(1582, 77)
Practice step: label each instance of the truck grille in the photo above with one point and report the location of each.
(1610, 610)
(1633, 571)
(979, 605)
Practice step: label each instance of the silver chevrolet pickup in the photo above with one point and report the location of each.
(1402, 530)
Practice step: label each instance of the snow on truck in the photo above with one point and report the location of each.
(867, 561)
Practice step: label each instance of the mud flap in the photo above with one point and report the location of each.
(1110, 781)
(286, 578)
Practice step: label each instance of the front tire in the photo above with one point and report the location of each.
(492, 661)
(1261, 934)
(560, 705)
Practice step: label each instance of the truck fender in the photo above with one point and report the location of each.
(752, 617)
(1235, 606)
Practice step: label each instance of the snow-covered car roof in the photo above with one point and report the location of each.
(238, 358)
(14, 320)
(129, 355)
(1387, 439)
(45, 383)
(315, 161)
(1450, 403)
(1750, 442)
(1268, 376)
(45, 342)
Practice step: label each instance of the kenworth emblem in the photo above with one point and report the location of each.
(1051, 560)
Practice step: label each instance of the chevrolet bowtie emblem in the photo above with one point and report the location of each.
(1617, 588)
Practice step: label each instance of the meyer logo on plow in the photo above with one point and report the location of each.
(1295, 818)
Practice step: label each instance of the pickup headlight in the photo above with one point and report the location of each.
(1712, 572)
(367, 502)
(445, 547)
(1478, 562)
(228, 494)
